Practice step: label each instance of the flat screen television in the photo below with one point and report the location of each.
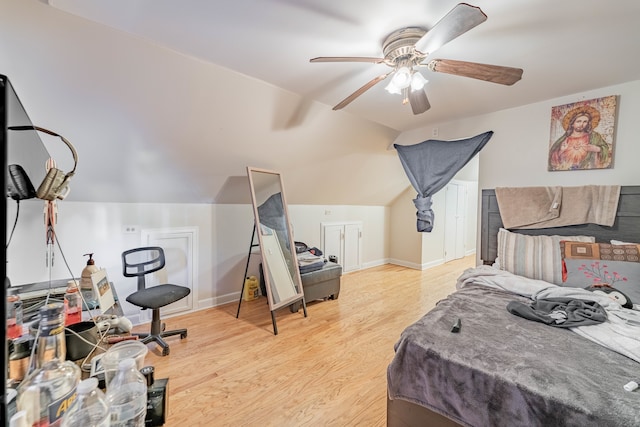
(23, 147)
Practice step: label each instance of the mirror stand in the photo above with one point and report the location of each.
(280, 269)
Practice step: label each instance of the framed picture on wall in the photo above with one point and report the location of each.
(582, 135)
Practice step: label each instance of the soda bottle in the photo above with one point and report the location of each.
(14, 314)
(72, 304)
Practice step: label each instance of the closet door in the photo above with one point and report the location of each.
(332, 245)
(352, 247)
(454, 236)
(343, 240)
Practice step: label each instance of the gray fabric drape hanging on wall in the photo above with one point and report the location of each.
(431, 164)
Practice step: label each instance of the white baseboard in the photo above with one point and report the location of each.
(374, 263)
(415, 266)
(216, 301)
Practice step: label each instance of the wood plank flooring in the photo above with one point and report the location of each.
(328, 369)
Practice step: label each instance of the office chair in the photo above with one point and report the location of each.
(138, 263)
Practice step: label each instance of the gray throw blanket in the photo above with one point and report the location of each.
(560, 312)
(501, 370)
(431, 164)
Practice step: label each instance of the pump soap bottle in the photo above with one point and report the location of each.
(89, 269)
(86, 285)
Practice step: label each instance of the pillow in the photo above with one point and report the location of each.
(618, 242)
(587, 264)
(535, 257)
(613, 293)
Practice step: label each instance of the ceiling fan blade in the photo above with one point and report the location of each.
(418, 100)
(347, 59)
(360, 91)
(458, 21)
(490, 73)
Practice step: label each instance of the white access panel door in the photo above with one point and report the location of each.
(180, 256)
(343, 240)
(352, 247)
(332, 244)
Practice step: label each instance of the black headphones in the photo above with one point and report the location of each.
(19, 186)
(55, 184)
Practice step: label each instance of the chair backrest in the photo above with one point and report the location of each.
(139, 262)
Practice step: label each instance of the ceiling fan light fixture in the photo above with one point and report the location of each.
(402, 78)
(418, 81)
(392, 88)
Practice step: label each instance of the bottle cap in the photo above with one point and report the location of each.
(87, 386)
(19, 419)
(630, 386)
(148, 371)
(52, 309)
(90, 261)
(126, 364)
(23, 344)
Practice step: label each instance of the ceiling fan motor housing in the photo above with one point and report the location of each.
(399, 46)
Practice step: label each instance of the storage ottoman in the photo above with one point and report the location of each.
(320, 284)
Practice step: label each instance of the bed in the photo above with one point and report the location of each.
(501, 369)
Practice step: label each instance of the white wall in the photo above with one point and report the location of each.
(522, 139)
(413, 249)
(306, 221)
(99, 228)
(405, 243)
(234, 226)
(516, 155)
(224, 236)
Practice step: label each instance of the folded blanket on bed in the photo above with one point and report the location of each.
(546, 207)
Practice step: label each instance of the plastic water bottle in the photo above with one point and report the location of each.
(49, 391)
(127, 396)
(90, 408)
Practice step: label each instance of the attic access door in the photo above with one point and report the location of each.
(179, 246)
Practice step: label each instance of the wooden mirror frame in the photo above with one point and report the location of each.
(279, 261)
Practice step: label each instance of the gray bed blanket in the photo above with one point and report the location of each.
(503, 370)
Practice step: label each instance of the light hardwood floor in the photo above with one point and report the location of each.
(328, 369)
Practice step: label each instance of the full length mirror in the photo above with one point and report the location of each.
(279, 261)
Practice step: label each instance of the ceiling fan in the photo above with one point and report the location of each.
(408, 48)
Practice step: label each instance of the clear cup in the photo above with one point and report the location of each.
(120, 351)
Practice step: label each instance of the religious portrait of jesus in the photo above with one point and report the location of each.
(582, 135)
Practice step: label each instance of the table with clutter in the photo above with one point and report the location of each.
(65, 367)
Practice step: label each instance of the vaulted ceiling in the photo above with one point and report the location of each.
(169, 101)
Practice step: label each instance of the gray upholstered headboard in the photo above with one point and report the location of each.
(626, 226)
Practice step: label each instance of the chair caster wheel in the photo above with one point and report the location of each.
(183, 335)
(165, 351)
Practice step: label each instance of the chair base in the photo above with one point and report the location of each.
(158, 333)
